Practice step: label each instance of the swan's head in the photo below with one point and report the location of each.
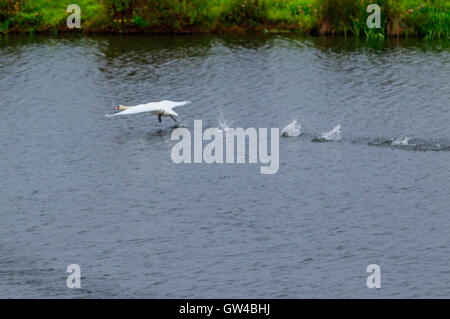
(121, 108)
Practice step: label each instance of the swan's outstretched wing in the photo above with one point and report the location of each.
(171, 104)
(149, 107)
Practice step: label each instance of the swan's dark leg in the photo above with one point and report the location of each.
(171, 116)
(159, 117)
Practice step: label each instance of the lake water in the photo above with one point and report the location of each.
(103, 193)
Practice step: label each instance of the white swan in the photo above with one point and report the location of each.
(163, 108)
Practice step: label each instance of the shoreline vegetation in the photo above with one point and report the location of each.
(423, 18)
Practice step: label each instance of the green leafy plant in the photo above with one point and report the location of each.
(426, 18)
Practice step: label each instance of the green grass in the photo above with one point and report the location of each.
(426, 18)
(37, 15)
(430, 18)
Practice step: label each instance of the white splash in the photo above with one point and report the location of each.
(333, 135)
(292, 130)
(401, 141)
(223, 123)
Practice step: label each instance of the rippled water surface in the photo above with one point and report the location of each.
(77, 187)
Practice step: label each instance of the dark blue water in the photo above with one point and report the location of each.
(77, 187)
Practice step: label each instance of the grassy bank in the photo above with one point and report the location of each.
(429, 18)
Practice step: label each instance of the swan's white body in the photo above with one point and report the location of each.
(163, 108)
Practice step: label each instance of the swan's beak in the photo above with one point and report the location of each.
(121, 107)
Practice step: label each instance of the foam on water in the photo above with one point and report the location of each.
(292, 129)
(415, 144)
(332, 136)
(401, 141)
(223, 124)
